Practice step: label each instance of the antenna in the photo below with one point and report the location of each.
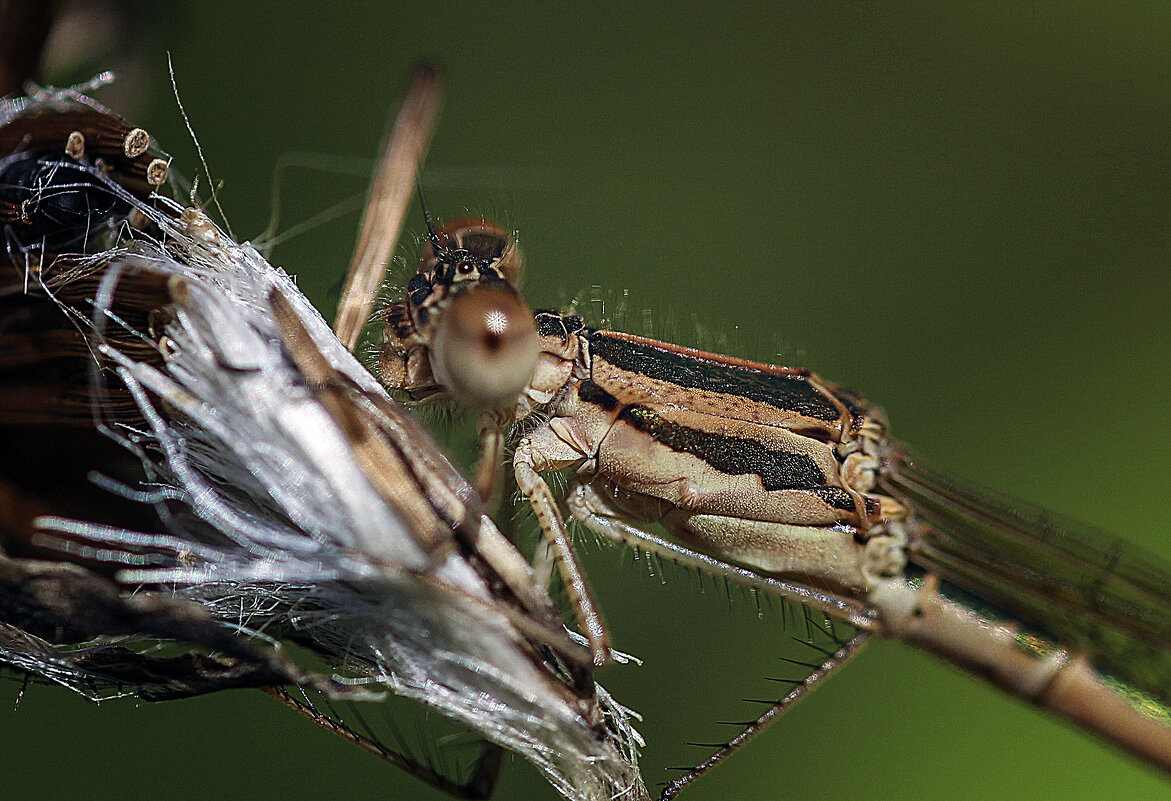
(432, 234)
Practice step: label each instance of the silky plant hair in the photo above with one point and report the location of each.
(299, 502)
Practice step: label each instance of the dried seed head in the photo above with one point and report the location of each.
(157, 171)
(310, 502)
(136, 143)
(75, 145)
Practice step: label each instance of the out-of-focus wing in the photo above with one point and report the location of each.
(1072, 585)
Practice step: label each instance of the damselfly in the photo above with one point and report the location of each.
(961, 214)
(773, 477)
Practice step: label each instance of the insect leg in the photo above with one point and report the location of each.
(526, 464)
(591, 509)
(478, 786)
(778, 708)
(491, 430)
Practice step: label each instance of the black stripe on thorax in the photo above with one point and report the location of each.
(777, 469)
(787, 393)
(590, 392)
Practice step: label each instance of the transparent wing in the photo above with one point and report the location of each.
(1082, 588)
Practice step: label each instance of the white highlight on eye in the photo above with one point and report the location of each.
(496, 322)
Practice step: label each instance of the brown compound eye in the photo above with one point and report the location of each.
(485, 347)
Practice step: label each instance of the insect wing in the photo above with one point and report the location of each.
(1073, 585)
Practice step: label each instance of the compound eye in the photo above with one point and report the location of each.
(485, 347)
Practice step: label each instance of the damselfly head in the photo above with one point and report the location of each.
(464, 325)
(470, 248)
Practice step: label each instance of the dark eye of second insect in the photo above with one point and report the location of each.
(458, 266)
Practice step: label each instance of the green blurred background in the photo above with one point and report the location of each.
(959, 209)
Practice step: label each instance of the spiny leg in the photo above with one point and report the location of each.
(778, 708)
(593, 511)
(533, 487)
(479, 785)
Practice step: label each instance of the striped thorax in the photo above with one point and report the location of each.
(768, 466)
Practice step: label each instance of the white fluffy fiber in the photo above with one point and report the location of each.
(286, 534)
